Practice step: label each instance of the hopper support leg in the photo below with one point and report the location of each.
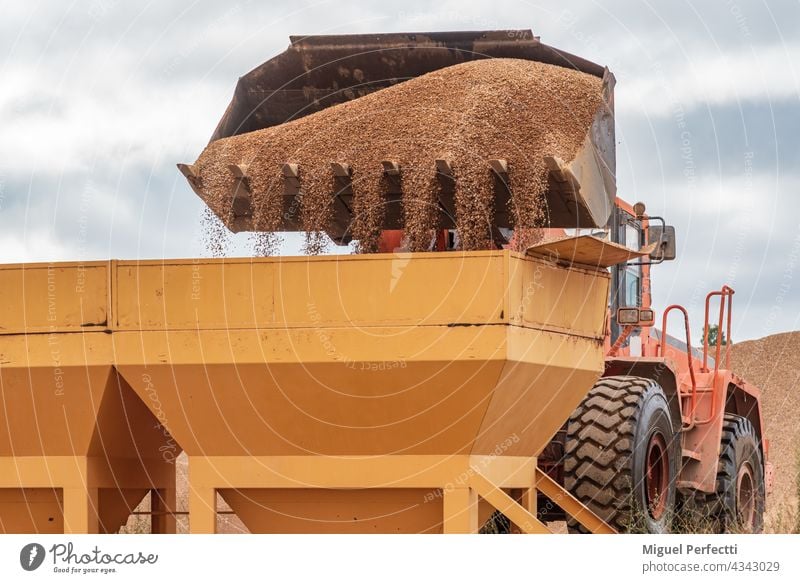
(477, 477)
(571, 505)
(460, 511)
(524, 520)
(202, 509)
(202, 497)
(528, 500)
(163, 507)
(80, 510)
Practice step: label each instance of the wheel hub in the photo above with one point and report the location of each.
(746, 495)
(657, 476)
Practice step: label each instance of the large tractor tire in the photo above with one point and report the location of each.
(621, 455)
(738, 504)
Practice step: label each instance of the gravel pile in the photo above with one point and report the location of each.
(773, 365)
(513, 109)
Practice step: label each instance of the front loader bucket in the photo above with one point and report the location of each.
(318, 72)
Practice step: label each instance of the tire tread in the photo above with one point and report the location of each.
(599, 448)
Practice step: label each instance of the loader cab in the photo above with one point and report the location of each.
(630, 282)
(629, 225)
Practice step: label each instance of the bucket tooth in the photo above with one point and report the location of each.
(239, 170)
(499, 167)
(444, 168)
(192, 177)
(188, 170)
(242, 200)
(502, 200)
(558, 169)
(563, 197)
(342, 203)
(291, 178)
(291, 189)
(342, 171)
(291, 169)
(390, 168)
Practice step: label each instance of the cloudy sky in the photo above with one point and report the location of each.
(100, 99)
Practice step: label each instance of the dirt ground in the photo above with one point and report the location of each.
(773, 364)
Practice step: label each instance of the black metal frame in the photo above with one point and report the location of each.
(664, 226)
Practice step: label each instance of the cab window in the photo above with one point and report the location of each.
(633, 273)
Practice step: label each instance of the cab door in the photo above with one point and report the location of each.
(626, 279)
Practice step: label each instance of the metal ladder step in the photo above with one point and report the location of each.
(691, 454)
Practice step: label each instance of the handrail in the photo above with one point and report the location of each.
(623, 336)
(663, 345)
(725, 292)
(728, 292)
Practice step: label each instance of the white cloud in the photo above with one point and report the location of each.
(765, 73)
(96, 116)
(37, 245)
(735, 230)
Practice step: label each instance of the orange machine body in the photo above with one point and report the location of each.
(699, 382)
